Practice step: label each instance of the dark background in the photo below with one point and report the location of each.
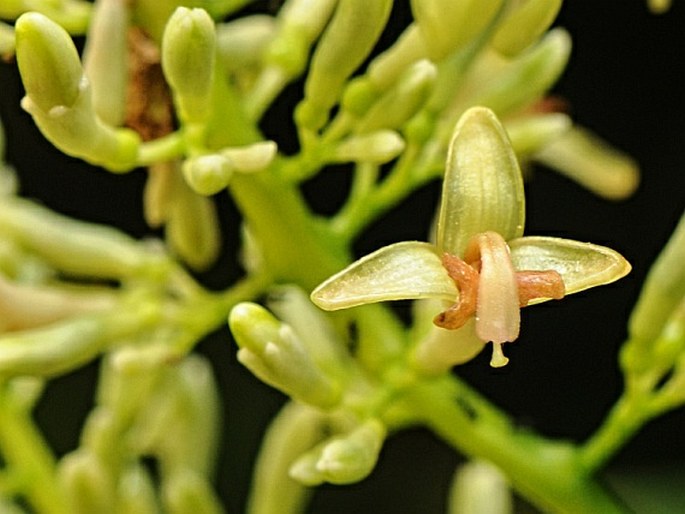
(625, 82)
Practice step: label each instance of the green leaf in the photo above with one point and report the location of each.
(483, 187)
(401, 271)
(581, 265)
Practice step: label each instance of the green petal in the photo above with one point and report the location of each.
(581, 265)
(401, 271)
(483, 187)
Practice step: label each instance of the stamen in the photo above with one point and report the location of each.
(466, 279)
(539, 284)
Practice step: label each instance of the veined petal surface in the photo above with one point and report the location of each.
(581, 265)
(401, 271)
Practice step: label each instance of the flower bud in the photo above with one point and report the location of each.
(402, 101)
(105, 59)
(136, 492)
(590, 161)
(7, 41)
(409, 48)
(186, 491)
(523, 80)
(192, 227)
(48, 62)
(77, 247)
(479, 488)
(88, 484)
(663, 290)
(188, 61)
(376, 147)
(343, 459)
(346, 42)
(446, 25)
(529, 134)
(207, 174)
(524, 25)
(242, 42)
(276, 355)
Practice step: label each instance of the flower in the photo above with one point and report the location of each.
(480, 262)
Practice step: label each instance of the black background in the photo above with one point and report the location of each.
(624, 81)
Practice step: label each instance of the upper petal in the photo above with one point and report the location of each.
(483, 187)
(581, 265)
(407, 270)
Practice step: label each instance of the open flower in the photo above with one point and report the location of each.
(481, 266)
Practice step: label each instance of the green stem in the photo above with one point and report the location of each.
(295, 246)
(626, 417)
(549, 473)
(167, 148)
(27, 454)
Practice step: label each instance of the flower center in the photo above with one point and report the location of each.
(492, 290)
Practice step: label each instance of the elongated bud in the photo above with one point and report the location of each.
(479, 488)
(186, 492)
(193, 227)
(58, 96)
(663, 290)
(27, 306)
(347, 41)
(48, 62)
(65, 345)
(188, 60)
(294, 430)
(207, 174)
(88, 484)
(402, 101)
(275, 354)
(376, 147)
(524, 25)
(409, 48)
(242, 42)
(342, 459)
(526, 78)
(447, 26)
(7, 41)
(77, 247)
(590, 161)
(529, 134)
(105, 59)
(136, 492)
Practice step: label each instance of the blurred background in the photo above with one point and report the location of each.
(625, 82)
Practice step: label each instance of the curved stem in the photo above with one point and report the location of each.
(549, 473)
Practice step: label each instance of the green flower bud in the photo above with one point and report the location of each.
(520, 82)
(188, 60)
(529, 134)
(447, 26)
(242, 42)
(207, 174)
(58, 96)
(77, 247)
(275, 354)
(524, 25)
(409, 48)
(192, 227)
(105, 59)
(136, 492)
(7, 41)
(66, 345)
(590, 161)
(88, 484)
(294, 430)
(48, 62)
(186, 491)
(343, 459)
(401, 102)
(480, 488)
(346, 42)
(376, 147)
(659, 6)
(663, 290)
